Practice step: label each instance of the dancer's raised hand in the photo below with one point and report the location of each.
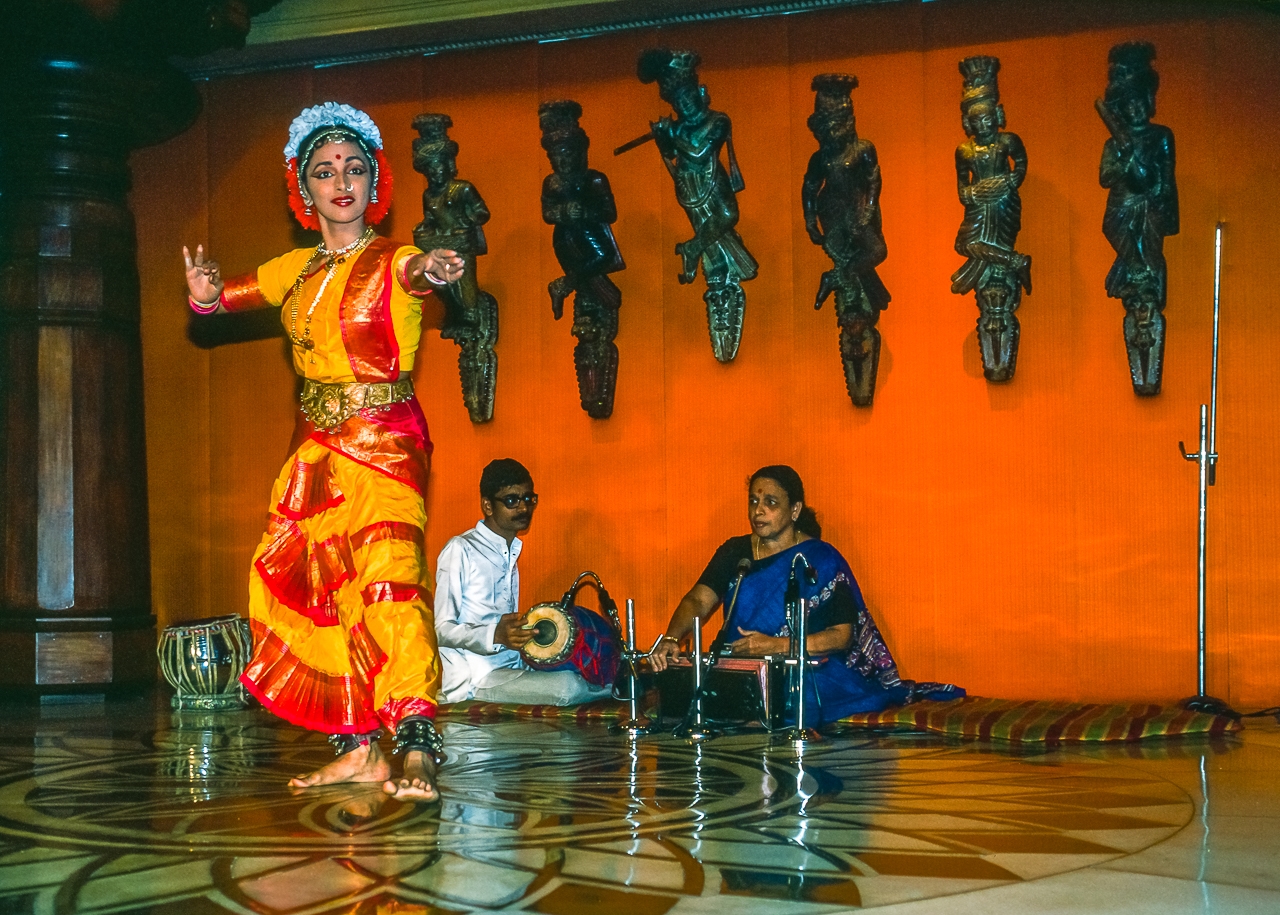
(204, 279)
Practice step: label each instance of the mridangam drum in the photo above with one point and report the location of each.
(575, 639)
(203, 661)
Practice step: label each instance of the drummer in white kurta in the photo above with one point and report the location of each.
(477, 604)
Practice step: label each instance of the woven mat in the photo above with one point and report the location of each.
(1030, 721)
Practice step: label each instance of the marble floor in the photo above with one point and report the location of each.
(127, 807)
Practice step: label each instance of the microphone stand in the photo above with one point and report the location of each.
(789, 599)
(694, 728)
(693, 716)
(635, 725)
(1207, 458)
(797, 610)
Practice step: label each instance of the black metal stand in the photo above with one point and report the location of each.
(1207, 459)
(635, 724)
(694, 727)
(799, 733)
(700, 676)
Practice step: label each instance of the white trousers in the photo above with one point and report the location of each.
(538, 687)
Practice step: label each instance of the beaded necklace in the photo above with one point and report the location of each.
(335, 257)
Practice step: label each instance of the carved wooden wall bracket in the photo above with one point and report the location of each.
(578, 201)
(691, 144)
(453, 213)
(1142, 206)
(990, 167)
(841, 200)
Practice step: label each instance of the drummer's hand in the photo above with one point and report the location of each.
(510, 631)
(756, 644)
(667, 650)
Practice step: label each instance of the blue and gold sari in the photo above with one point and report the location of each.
(862, 679)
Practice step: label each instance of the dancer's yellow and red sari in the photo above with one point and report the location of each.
(343, 635)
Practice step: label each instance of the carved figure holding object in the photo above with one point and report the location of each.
(841, 200)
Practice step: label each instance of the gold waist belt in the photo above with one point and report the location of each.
(330, 405)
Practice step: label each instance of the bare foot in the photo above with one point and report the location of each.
(364, 764)
(418, 782)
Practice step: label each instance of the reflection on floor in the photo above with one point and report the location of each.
(129, 808)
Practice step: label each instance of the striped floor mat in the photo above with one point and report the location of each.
(1031, 721)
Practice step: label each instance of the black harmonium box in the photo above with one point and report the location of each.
(739, 690)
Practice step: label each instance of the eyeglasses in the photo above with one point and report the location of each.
(530, 499)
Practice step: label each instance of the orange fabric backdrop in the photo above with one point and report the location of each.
(1030, 540)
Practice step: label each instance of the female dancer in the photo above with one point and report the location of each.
(343, 635)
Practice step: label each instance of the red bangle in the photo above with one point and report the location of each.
(402, 274)
(201, 308)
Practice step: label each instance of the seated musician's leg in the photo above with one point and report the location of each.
(538, 687)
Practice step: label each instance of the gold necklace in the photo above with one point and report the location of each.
(755, 544)
(335, 257)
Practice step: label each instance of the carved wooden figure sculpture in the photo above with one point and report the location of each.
(452, 215)
(1142, 206)
(578, 201)
(841, 198)
(990, 167)
(690, 144)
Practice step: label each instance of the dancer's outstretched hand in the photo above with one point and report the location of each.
(445, 266)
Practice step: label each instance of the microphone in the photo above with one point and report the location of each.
(608, 606)
(744, 566)
(810, 573)
(566, 600)
(722, 637)
(791, 597)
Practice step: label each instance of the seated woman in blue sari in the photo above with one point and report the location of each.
(856, 672)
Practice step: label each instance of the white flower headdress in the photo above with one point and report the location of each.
(341, 120)
(330, 114)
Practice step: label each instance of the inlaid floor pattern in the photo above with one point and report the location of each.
(193, 818)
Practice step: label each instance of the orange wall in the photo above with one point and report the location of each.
(1035, 539)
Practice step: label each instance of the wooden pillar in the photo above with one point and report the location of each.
(75, 584)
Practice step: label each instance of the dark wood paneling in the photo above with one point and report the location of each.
(73, 658)
(55, 474)
(18, 441)
(75, 520)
